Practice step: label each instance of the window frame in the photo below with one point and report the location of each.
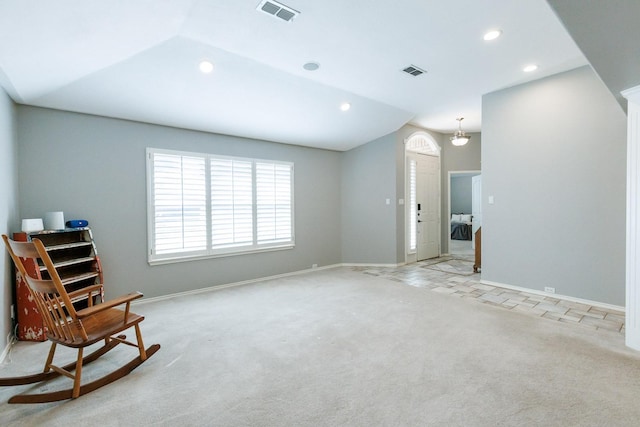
(154, 258)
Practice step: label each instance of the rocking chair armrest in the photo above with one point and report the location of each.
(85, 312)
(88, 291)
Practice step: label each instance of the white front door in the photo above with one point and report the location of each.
(428, 206)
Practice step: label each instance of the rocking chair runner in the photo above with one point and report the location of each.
(71, 328)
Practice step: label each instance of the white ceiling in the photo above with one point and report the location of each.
(138, 60)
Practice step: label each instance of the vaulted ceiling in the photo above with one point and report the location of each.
(138, 60)
(608, 34)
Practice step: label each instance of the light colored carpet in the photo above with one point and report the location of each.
(339, 348)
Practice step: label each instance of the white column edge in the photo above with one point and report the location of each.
(632, 275)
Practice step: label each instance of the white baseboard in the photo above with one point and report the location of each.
(558, 296)
(260, 279)
(349, 264)
(10, 341)
(373, 265)
(231, 285)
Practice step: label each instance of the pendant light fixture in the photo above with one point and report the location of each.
(459, 137)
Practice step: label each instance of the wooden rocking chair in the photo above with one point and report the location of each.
(75, 329)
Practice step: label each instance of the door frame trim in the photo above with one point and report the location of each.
(411, 258)
(449, 176)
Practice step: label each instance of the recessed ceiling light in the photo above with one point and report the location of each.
(311, 66)
(206, 67)
(345, 106)
(530, 68)
(492, 35)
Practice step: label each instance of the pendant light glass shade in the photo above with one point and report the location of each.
(459, 137)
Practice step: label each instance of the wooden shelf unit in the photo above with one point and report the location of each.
(75, 257)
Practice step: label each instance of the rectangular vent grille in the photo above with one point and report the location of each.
(278, 10)
(414, 71)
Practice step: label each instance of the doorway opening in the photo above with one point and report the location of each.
(464, 211)
(422, 185)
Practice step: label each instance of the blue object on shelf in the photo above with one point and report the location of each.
(77, 223)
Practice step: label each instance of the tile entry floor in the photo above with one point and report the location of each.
(453, 275)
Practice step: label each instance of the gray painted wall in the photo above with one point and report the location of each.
(554, 158)
(368, 223)
(94, 168)
(8, 207)
(460, 194)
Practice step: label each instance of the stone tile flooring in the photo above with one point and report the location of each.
(454, 276)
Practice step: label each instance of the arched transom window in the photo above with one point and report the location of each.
(422, 143)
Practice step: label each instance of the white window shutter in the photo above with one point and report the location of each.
(180, 203)
(231, 202)
(413, 213)
(274, 202)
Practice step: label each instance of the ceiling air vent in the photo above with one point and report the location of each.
(414, 71)
(278, 10)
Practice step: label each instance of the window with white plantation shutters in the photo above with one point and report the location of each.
(202, 205)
